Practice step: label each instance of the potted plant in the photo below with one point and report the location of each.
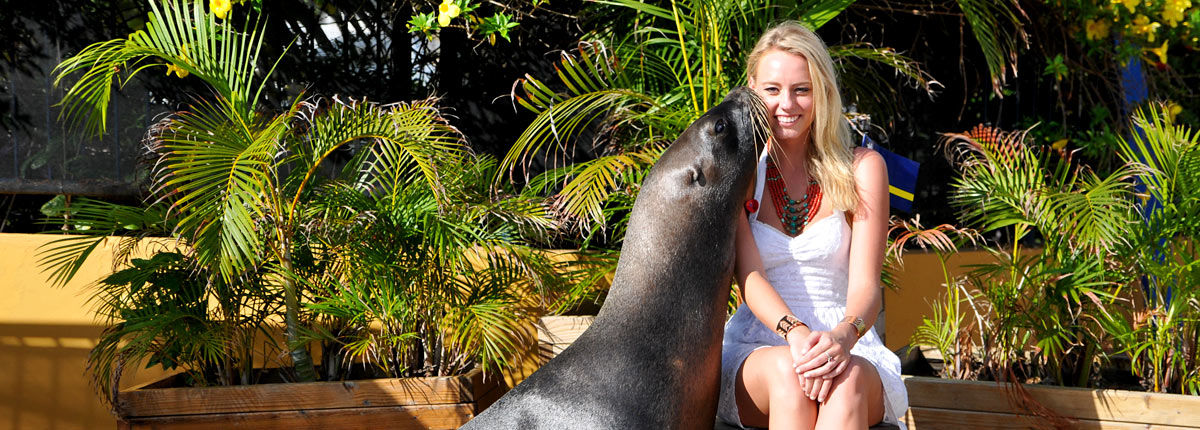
(1105, 287)
(402, 261)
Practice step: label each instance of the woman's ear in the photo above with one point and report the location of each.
(750, 82)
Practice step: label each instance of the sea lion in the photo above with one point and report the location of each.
(652, 358)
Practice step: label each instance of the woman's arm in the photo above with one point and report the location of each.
(868, 239)
(828, 352)
(758, 293)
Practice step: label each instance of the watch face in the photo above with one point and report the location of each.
(860, 326)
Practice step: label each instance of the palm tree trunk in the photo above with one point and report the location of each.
(300, 356)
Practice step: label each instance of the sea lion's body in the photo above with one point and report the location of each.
(652, 358)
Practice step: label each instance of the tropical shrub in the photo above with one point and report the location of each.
(264, 228)
(1162, 331)
(946, 330)
(1043, 301)
(1117, 272)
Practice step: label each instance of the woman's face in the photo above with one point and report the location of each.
(783, 82)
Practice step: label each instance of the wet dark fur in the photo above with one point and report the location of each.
(652, 358)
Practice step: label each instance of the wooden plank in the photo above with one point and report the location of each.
(487, 399)
(556, 333)
(1080, 403)
(297, 396)
(919, 418)
(486, 389)
(397, 417)
(563, 329)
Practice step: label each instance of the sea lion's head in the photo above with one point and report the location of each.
(691, 196)
(708, 169)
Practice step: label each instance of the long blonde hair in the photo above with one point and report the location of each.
(831, 164)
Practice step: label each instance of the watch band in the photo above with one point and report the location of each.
(786, 324)
(860, 326)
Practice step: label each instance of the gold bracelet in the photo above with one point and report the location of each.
(786, 324)
(860, 326)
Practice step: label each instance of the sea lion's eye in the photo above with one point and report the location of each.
(719, 127)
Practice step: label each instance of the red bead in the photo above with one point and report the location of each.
(751, 206)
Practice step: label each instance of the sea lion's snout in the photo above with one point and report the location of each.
(752, 113)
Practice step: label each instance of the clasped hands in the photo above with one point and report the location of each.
(818, 357)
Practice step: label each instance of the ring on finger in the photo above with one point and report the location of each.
(828, 358)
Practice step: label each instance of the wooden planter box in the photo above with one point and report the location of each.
(407, 403)
(556, 333)
(952, 404)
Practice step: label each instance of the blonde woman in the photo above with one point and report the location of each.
(801, 352)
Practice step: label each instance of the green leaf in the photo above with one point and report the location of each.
(822, 11)
(498, 23)
(422, 23)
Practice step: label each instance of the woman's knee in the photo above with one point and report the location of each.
(857, 380)
(781, 373)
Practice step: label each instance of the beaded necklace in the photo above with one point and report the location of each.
(793, 215)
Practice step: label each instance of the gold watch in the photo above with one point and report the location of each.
(786, 324)
(860, 326)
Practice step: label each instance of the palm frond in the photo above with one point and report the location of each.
(863, 68)
(1168, 151)
(219, 172)
(996, 25)
(92, 222)
(1097, 216)
(183, 34)
(593, 181)
(822, 11)
(397, 136)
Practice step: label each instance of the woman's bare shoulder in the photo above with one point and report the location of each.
(868, 164)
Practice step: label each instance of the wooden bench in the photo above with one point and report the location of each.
(722, 426)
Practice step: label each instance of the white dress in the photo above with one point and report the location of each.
(810, 272)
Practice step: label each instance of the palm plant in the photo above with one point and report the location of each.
(1163, 331)
(945, 331)
(242, 193)
(1047, 298)
(400, 260)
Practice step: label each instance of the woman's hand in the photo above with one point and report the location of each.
(819, 357)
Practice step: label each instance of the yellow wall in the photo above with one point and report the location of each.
(920, 281)
(45, 336)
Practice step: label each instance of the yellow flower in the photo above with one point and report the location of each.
(448, 7)
(1129, 4)
(1160, 52)
(220, 8)
(1142, 25)
(1173, 10)
(178, 71)
(447, 11)
(1060, 144)
(1172, 109)
(1097, 29)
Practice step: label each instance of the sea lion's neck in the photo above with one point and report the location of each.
(668, 287)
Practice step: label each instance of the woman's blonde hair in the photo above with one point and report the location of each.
(831, 164)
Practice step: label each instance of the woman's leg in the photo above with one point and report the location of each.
(769, 393)
(855, 399)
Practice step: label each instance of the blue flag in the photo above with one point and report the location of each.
(902, 176)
